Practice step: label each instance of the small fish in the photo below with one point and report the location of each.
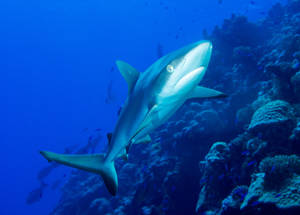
(36, 194)
(243, 195)
(203, 180)
(109, 93)
(226, 167)
(98, 129)
(277, 195)
(252, 2)
(144, 168)
(251, 163)
(245, 153)
(220, 1)
(255, 203)
(159, 50)
(84, 130)
(221, 177)
(273, 168)
(260, 68)
(259, 135)
(43, 173)
(236, 121)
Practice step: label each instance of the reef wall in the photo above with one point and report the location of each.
(237, 155)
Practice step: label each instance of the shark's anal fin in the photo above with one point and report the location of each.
(203, 92)
(145, 139)
(89, 162)
(129, 73)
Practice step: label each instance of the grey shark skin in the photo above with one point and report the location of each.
(153, 96)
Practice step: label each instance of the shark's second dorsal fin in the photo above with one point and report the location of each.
(129, 73)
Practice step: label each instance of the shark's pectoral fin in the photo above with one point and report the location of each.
(145, 139)
(150, 117)
(203, 92)
(129, 73)
(90, 162)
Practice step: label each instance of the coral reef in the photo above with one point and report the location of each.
(276, 188)
(237, 155)
(275, 120)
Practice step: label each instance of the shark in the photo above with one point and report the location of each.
(153, 97)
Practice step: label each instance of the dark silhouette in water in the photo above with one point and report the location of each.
(110, 96)
(159, 50)
(93, 141)
(36, 194)
(56, 184)
(43, 173)
(91, 145)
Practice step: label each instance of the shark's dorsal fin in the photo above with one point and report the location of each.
(203, 92)
(129, 73)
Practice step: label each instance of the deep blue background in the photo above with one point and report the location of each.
(55, 63)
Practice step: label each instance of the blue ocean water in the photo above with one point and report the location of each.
(57, 60)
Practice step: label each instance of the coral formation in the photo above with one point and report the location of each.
(275, 120)
(231, 156)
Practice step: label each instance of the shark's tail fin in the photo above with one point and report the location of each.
(90, 162)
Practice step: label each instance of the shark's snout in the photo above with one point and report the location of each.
(200, 55)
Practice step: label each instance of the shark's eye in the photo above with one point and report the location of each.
(170, 68)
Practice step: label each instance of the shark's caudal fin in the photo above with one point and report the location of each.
(90, 162)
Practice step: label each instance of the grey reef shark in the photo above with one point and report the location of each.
(153, 97)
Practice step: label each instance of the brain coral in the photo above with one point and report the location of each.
(273, 121)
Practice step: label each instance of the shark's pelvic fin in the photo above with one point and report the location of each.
(90, 162)
(129, 73)
(124, 155)
(145, 139)
(109, 135)
(203, 92)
